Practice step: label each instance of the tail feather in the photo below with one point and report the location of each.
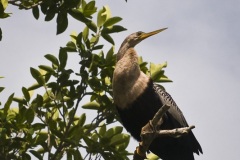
(169, 148)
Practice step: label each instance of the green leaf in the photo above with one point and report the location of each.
(55, 115)
(8, 103)
(73, 36)
(79, 41)
(1, 89)
(119, 139)
(94, 82)
(107, 12)
(46, 68)
(26, 93)
(113, 131)
(62, 22)
(34, 86)
(36, 154)
(77, 155)
(26, 156)
(63, 58)
(35, 12)
(109, 55)
(77, 14)
(71, 47)
(39, 100)
(94, 39)
(91, 25)
(111, 21)
(85, 34)
(50, 14)
(41, 137)
(53, 59)
(113, 29)
(103, 15)
(91, 105)
(4, 15)
(37, 76)
(12, 114)
(107, 81)
(88, 141)
(38, 126)
(44, 7)
(92, 64)
(143, 67)
(19, 100)
(4, 4)
(100, 19)
(41, 150)
(156, 70)
(102, 130)
(64, 77)
(69, 156)
(108, 38)
(82, 120)
(30, 115)
(97, 47)
(89, 9)
(164, 79)
(122, 146)
(152, 156)
(84, 3)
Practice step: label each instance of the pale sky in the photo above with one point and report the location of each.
(201, 46)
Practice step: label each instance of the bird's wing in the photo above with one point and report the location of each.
(174, 111)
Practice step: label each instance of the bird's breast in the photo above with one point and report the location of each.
(127, 90)
(137, 113)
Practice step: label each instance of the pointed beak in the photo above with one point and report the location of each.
(146, 35)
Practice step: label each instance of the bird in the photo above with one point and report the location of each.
(137, 99)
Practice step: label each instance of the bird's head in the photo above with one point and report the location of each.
(133, 39)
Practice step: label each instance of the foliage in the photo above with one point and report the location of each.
(54, 124)
(79, 9)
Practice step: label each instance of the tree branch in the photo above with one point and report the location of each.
(22, 6)
(150, 132)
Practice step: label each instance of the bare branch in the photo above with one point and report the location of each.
(176, 133)
(150, 132)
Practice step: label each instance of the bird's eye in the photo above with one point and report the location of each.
(139, 33)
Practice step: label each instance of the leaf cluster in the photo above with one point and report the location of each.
(61, 9)
(50, 119)
(3, 6)
(54, 124)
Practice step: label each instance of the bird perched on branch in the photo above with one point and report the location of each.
(138, 98)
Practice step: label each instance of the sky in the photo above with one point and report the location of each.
(201, 46)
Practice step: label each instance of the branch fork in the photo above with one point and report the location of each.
(150, 131)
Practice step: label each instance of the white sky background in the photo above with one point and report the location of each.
(201, 46)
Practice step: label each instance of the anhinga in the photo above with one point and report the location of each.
(138, 98)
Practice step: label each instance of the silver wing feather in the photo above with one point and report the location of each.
(174, 111)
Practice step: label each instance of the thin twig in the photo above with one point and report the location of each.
(71, 119)
(20, 5)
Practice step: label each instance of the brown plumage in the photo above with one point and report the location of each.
(138, 98)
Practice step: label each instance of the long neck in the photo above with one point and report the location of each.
(122, 50)
(128, 80)
(127, 69)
